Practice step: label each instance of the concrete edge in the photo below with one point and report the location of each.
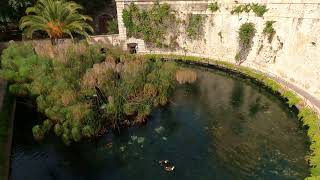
(7, 99)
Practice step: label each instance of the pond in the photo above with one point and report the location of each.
(220, 127)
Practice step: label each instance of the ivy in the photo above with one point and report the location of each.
(246, 34)
(213, 7)
(195, 26)
(269, 30)
(258, 9)
(151, 25)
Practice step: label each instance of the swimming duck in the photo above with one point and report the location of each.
(166, 165)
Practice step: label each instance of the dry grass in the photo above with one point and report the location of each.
(60, 52)
(186, 76)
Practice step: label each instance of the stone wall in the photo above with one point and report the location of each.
(293, 54)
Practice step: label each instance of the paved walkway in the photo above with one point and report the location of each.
(314, 101)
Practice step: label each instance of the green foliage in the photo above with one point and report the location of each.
(246, 33)
(269, 30)
(273, 85)
(76, 134)
(64, 87)
(56, 18)
(54, 84)
(19, 4)
(237, 57)
(213, 7)
(112, 26)
(311, 120)
(152, 25)
(195, 26)
(258, 9)
(37, 132)
(11, 11)
(241, 8)
(291, 97)
(58, 129)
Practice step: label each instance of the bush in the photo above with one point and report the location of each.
(195, 26)
(213, 7)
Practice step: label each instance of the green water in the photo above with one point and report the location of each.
(221, 127)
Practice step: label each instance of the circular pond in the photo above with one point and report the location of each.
(220, 127)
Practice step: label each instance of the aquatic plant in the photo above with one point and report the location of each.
(152, 25)
(84, 92)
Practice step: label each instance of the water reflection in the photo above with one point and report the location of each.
(221, 127)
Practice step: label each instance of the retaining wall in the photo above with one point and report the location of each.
(293, 54)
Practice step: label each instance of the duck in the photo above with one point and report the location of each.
(166, 165)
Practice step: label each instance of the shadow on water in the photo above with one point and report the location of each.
(221, 127)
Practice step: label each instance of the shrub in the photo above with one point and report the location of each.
(195, 26)
(246, 33)
(213, 7)
(269, 30)
(237, 57)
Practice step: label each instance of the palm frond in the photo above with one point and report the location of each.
(57, 18)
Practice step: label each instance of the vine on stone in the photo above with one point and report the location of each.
(151, 25)
(194, 27)
(246, 34)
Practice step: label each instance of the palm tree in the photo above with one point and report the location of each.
(57, 18)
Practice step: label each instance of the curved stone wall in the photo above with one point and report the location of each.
(293, 55)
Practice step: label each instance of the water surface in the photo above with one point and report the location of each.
(221, 127)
